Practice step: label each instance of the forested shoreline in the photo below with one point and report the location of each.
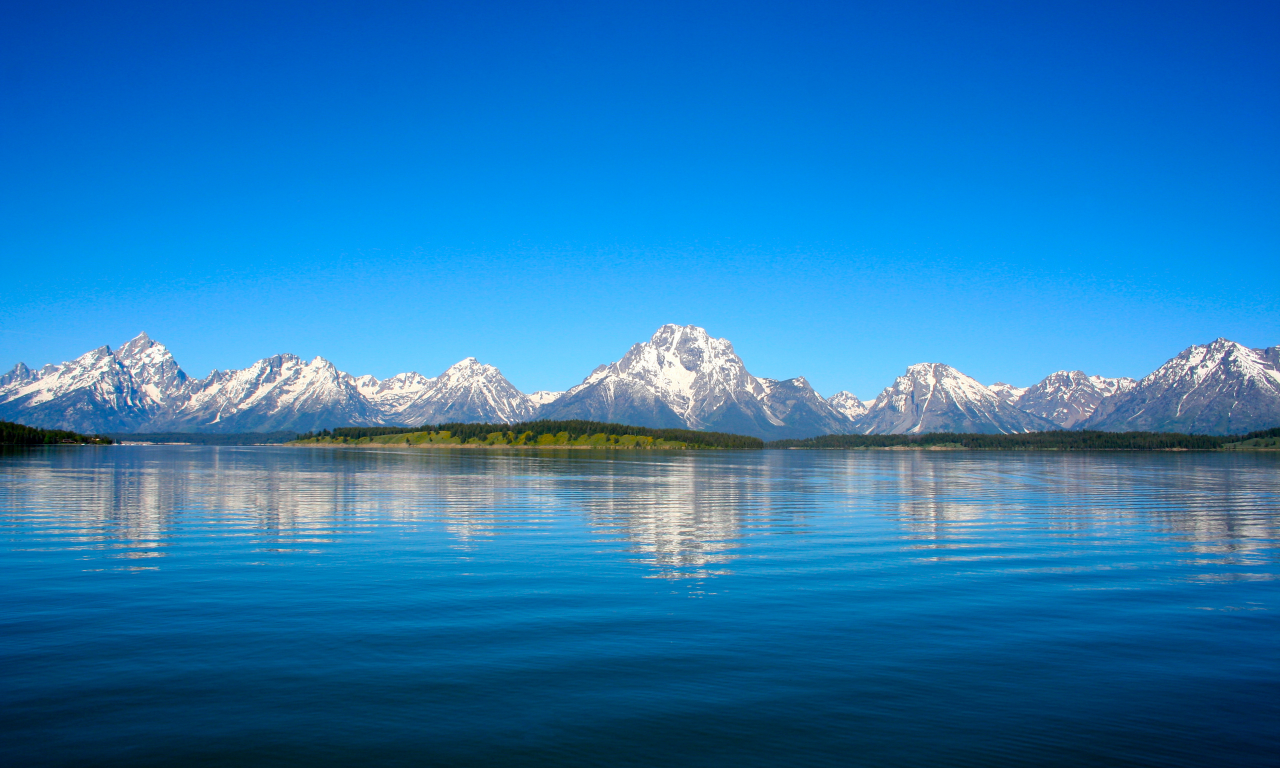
(570, 433)
(205, 438)
(607, 435)
(1043, 441)
(12, 433)
(595, 434)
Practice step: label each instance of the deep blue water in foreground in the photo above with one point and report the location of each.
(171, 605)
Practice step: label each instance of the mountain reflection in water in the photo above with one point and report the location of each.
(687, 515)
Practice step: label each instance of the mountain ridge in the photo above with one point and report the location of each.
(681, 378)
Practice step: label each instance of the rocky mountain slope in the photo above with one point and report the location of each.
(848, 405)
(99, 391)
(1219, 388)
(1068, 398)
(684, 377)
(140, 387)
(932, 397)
(467, 391)
(681, 377)
(277, 393)
(1007, 392)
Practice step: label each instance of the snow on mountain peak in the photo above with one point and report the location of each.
(934, 397)
(685, 377)
(1007, 392)
(1068, 398)
(681, 377)
(1219, 388)
(684, 365)
(153, 369)
(543, 397)
(20, 373)
(847, 404)
(468, 390)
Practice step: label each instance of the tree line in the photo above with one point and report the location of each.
(1060, 440)
(20, 434)
(202, 438)
(575, 428)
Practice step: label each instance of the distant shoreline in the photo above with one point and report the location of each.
(580, 434)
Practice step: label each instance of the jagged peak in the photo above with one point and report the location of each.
(671, 336)
(848, 404)
(470, 364)
(544, 396)
(798, 381)
(1218, 347)
(675, 329)
(139, 343)
(95, 354)
(932, 369)
(19, 374)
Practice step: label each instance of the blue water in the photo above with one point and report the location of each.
(171, 605)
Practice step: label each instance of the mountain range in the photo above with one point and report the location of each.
(681, 377)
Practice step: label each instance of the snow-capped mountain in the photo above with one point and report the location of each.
(848, 405)
(685, 378)
(19, 375)
(681, 377)
(1007, 392)
(393, 395)
(932, 397)
(468, 391)
(140, 387)
(153, 369)
(801, 409)
(1218, 388)
(277, 393)
(542, 397)
(96, 392)
(1068, 398)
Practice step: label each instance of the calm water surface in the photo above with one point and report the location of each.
(172, 605)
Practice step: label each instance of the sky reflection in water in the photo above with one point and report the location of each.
(534, 607)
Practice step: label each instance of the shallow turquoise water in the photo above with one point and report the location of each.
(170, 605)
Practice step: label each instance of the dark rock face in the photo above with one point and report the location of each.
(1221, 388)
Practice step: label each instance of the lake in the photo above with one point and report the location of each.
(187, 605)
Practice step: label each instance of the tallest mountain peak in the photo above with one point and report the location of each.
(137, 345)
(672, 332)
(686, 378)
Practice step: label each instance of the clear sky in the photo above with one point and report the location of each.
(841, 189)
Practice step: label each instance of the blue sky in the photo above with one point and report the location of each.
(841, 189)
